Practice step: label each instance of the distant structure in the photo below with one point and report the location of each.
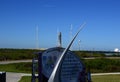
(59, 39)
(71, 27)
(37, 39)
(116, 50)
(79, 41)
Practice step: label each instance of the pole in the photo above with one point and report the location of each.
(33, 70)
(40, 67)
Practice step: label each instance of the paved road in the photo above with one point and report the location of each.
(115, 73)
(15, 77)
(15, 61)
(30, 60)
(103, 57)
(18, 61)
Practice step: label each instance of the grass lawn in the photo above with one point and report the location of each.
(26, 79)
(17, 67)
(106, 78)
(101, 78)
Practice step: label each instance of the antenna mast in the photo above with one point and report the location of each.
(37, 39)
(71, 27)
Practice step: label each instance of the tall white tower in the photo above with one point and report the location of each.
(71, 27)
(37, 38)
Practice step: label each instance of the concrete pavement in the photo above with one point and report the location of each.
(115, 73)
(14, 61)
(15, 77)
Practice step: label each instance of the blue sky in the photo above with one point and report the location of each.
(19, 19)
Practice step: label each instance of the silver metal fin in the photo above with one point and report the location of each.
(54, 77)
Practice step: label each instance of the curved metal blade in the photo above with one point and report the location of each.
(55, 73)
